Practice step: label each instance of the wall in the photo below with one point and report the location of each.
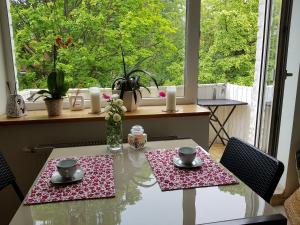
(289, 139)
(25, 165)
(2, 78)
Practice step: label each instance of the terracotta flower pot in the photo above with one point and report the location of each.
(54, 106)
(129, 101)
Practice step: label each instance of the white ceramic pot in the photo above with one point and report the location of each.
(129, 102)
(15, 106)
(54, 106)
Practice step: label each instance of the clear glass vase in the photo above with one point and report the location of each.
(114, 136)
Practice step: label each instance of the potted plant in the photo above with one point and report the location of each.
(128, 84)
(57, 87)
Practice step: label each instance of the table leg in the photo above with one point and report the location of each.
(215, 118)
(224, 123)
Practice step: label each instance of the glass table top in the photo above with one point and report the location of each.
(139, 199)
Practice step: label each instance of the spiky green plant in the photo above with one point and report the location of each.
(130, 80)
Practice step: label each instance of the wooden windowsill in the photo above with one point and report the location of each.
(143, 112)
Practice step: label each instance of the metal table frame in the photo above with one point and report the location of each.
(213, 105)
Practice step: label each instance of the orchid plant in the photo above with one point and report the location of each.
(57, 87)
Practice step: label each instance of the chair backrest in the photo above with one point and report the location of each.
(276, 219)
(255, 168)
(7, 177)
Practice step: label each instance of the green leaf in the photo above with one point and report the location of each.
(145, 88)
(137, 65)
(122, 93)
(123, 62)
(135, 96)
(116, 80)
(60, 79)
(39, 97)
(64, 90)
(51, 82)
(140, 93)
(144, 72)
(41, 92)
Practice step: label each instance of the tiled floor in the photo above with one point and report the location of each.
(216, 151)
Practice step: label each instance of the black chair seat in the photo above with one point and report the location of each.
(255, 168)
(7, 178)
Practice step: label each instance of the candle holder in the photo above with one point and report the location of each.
(170, 111)
(95, 100)
(76, 103)
(171, 99)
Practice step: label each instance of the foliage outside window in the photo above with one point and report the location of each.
(228, 41)
(144, 28)
(273, 41)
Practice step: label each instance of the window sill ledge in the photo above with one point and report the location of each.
(143, 112)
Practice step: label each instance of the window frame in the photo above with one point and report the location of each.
(192, 42)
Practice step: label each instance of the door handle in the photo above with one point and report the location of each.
(286, 74)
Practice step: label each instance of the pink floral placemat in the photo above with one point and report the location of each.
(171, 177)
(98, 182)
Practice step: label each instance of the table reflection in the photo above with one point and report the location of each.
(130, 171)
(189, 207)
(139, 200)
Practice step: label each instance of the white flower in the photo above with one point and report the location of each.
(123, 108)
(115, 96)
(107, 117)
(117, 117)
(107, 108)
(110, 113)
(119, 102)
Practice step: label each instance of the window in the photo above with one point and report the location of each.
(229, 31)
(155, 30)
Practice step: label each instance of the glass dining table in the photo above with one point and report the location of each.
(139, 199)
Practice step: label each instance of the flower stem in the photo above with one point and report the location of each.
(54, 57)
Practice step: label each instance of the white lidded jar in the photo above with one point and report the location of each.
(137, 138)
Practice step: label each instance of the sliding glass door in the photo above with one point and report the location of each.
(273, 74)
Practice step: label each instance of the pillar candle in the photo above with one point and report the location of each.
(171, 99)
(95, 100)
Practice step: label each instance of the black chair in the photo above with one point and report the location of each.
(255, 168)
(7, 178)
(276, 219)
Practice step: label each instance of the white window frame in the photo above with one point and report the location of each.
(192, 41)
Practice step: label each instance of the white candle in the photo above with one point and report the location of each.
(171, 99)
(95, 99)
